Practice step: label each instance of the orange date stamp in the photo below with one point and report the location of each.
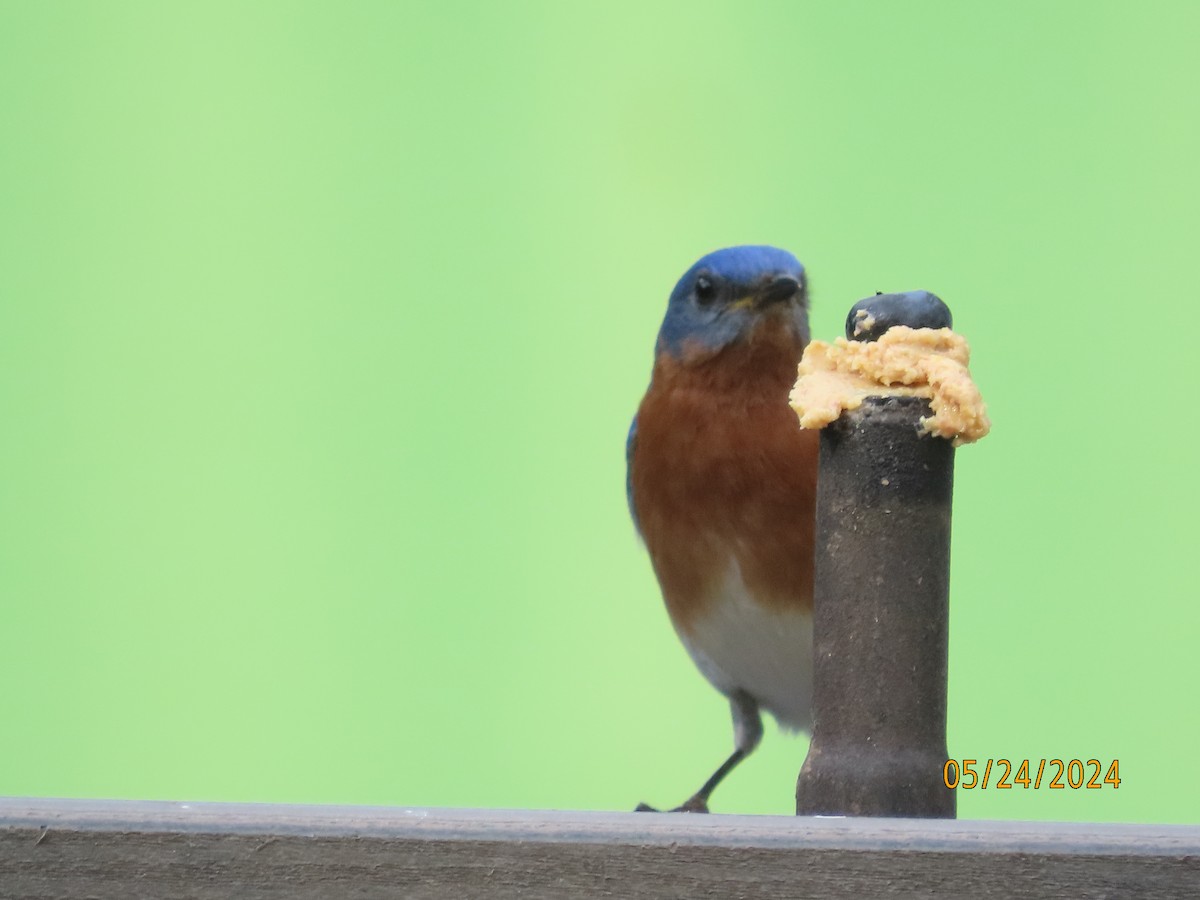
(1055, 774)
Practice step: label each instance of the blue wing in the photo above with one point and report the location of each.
(630, 443)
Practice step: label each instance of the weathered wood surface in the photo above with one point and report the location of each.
(134, 849)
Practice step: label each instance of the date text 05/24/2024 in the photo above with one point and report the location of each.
(1056, 774)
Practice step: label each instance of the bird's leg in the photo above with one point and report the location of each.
(747, 732)
(698, 802)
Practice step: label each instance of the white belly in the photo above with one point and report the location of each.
(741, 645)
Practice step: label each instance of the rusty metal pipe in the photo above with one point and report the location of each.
(881, 608)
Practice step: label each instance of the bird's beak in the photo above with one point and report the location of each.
(779, 289)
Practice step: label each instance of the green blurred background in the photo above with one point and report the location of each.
(321, 326)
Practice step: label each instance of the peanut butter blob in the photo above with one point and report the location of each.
(915, 362)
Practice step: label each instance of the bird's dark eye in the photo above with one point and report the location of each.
(705, 289)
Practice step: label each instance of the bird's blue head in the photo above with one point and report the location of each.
(727, 295)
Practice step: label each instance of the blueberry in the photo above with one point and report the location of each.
(873, 316)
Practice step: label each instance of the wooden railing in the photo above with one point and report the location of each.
(134, 849)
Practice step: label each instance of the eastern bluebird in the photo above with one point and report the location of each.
(722, 486)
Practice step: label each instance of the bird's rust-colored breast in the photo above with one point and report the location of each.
(722, 473)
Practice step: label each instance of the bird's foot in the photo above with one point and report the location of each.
(696, 804)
